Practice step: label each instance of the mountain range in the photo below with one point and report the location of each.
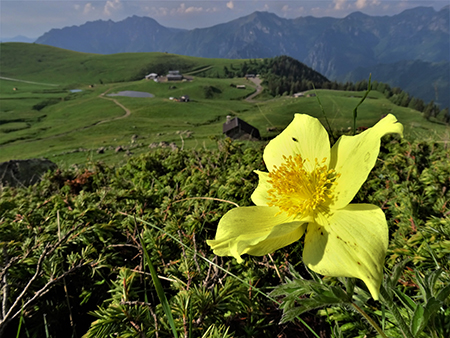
(331, 46)
(334, 47)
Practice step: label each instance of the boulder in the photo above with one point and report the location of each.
(24, 172)
(163, 144)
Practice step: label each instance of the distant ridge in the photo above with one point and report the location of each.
(332, 46)
(427, 80)
(18, 38)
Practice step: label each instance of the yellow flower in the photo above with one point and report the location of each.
(309, 188)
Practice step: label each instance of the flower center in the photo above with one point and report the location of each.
(297, 191)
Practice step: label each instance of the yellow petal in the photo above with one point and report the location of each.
(353, 157)
(353, 244)
(256, 231)
(306, 136)
(260, 196)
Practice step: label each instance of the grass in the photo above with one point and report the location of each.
(51, 65)
(44, 120)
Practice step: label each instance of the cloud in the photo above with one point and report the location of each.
(360, 4)
(182, 9)
(339, 4)
(88, 8)
(230, 5)
(193, 9)
(112, 5)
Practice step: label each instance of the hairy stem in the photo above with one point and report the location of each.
(398, 317)
(370, 320)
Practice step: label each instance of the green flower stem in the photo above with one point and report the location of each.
(398, 317)
(370, 320)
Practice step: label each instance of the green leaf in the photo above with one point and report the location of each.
(431, 308)
(396, 272)
(159, 289)
(340, 294)
(418, 320)
(443, 294)
(355, 110)
(407, 301)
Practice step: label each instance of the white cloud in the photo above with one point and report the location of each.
(182, 9)
(193, 9)
(230, 5)
(339, 4)
(88, 8)
(112, 5)
(360, 4)
(157, 11)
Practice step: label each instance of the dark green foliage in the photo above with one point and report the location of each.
(157, 188)
(103, 210)
(48, 102)
(209, 91)
(281, 74)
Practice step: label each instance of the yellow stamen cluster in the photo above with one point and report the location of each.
(297, 191)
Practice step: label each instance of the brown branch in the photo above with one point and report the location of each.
(47, 286)
(135, 302)
(4, 282)
(48, 250)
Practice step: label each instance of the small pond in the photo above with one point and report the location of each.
(75, 90)
(132, 93)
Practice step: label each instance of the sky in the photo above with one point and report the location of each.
(32, 18)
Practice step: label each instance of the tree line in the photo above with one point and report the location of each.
(284, 75)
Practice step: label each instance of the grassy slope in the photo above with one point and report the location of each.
(53, 65)
(72, 122)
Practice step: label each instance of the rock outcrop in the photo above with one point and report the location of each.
(16, 173)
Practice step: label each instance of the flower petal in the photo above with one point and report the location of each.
(306, 136)
(260, 196)
(353, 244)
(353, 157)
(256, 231)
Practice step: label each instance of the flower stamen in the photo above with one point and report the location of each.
(297, 191)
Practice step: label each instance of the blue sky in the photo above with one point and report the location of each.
(32, 18)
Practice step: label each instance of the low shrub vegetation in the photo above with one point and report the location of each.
(73, 252)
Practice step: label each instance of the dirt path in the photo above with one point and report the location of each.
(257, 81)
(31, 82)
(127, 111)
(102, 96)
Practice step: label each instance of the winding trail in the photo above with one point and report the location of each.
(31, 82)
(102, 96)
(257, 81)
(127, 111)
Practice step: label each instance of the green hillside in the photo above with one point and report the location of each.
(42, 118)
(34, 62)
